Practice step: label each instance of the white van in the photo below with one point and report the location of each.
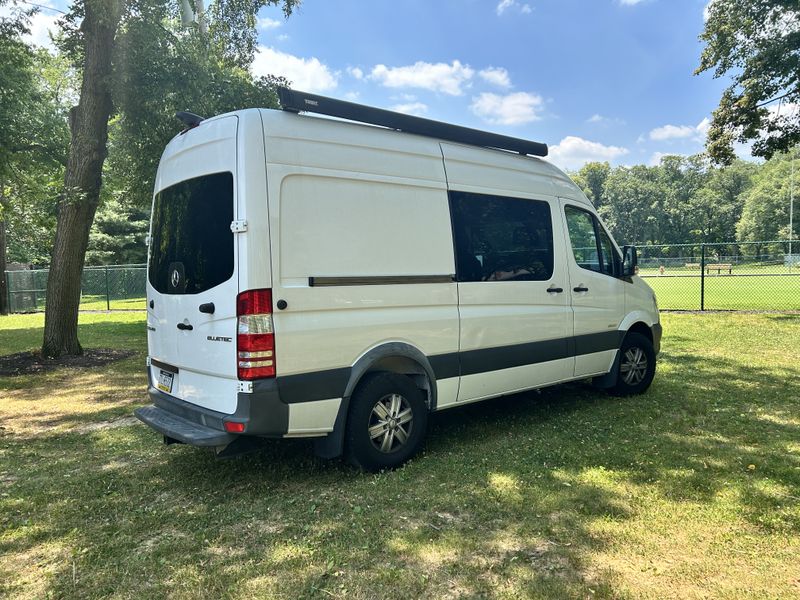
(316, 277)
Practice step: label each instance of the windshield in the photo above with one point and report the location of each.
(191, 244)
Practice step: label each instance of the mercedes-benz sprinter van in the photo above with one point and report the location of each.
(318, 277)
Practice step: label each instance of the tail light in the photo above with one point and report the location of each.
(255, 339)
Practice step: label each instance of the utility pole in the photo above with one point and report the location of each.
(791, 209)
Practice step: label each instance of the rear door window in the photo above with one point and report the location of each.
(191, 245)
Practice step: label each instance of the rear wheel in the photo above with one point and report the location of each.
(387, 422)
(637, 365)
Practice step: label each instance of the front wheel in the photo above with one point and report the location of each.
(387, 422)
(637, 365)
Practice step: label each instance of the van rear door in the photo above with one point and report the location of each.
(192, 268)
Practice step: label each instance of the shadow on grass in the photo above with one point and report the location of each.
(504, 501)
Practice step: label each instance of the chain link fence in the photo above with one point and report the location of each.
(730, 276)
(114, 287)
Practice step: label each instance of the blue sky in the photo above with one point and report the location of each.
(595, 79)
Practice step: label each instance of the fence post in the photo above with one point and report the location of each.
(702, 276)
(108, 296)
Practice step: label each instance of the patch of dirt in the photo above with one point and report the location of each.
(121, 422)
(27, 363)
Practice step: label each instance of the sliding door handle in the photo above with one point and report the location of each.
(554, 290)
(580, 288)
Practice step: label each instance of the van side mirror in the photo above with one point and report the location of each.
(630, 261)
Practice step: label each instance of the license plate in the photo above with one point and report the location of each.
(164, 382)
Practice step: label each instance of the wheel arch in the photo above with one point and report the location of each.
(634, 323)
(394, 357)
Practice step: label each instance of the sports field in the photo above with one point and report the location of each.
(727, 292)
(689, 491)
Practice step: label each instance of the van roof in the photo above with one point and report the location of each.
(296, 101)
(321, 128)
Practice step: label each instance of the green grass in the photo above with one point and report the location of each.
(91, 302)
(724, 292)
(689, 491)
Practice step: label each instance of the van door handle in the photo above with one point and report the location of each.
(185, 327)
(207, 307)
(554, 290)
(580, 289)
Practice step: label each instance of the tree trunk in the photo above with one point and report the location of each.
(3, 280)
(82, 179)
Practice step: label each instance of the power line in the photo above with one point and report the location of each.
(42, 6)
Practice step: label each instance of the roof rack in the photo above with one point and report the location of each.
(295, 101)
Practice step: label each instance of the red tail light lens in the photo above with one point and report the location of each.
(255, 338)
(233, 427)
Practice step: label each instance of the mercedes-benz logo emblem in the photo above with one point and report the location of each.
(176, 278)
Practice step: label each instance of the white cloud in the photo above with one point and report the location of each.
(598, 119)
(677, 132)
(41, 24)
(655, 159)
(355, 73)
(512, 109)
(307, 74)
(671, 132)
(782, 110)
(496, 76)
(437, 77)
(505, 5)
(573, 152)
(630, 2)
(412, 108)
(351, 96)
(283, 37)
(267, 23)
(703, 126)
(707, 10)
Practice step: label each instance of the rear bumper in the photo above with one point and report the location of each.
(182, 430)
(261, 412)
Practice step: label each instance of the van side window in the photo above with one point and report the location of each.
(591, 245)
(501, 239)
(583, 239)
(611, 264)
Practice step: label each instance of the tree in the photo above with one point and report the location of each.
(87, 151)
(717, 207)
(633, 197)
(765, 215)
(16, 73)
(757, 42)
(32, 143)
(592, 180)
(93, 32)
(117, 236)
(681, 178)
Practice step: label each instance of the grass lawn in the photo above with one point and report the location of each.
(690, 491)
(725, 292)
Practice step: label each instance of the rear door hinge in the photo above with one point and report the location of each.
(238, 226)
(245, 387)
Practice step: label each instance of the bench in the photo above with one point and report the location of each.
(692, 265)
(719, 268)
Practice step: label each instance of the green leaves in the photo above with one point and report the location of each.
(757, 44)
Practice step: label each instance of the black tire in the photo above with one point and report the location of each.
(398, 438)
(636, 366)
